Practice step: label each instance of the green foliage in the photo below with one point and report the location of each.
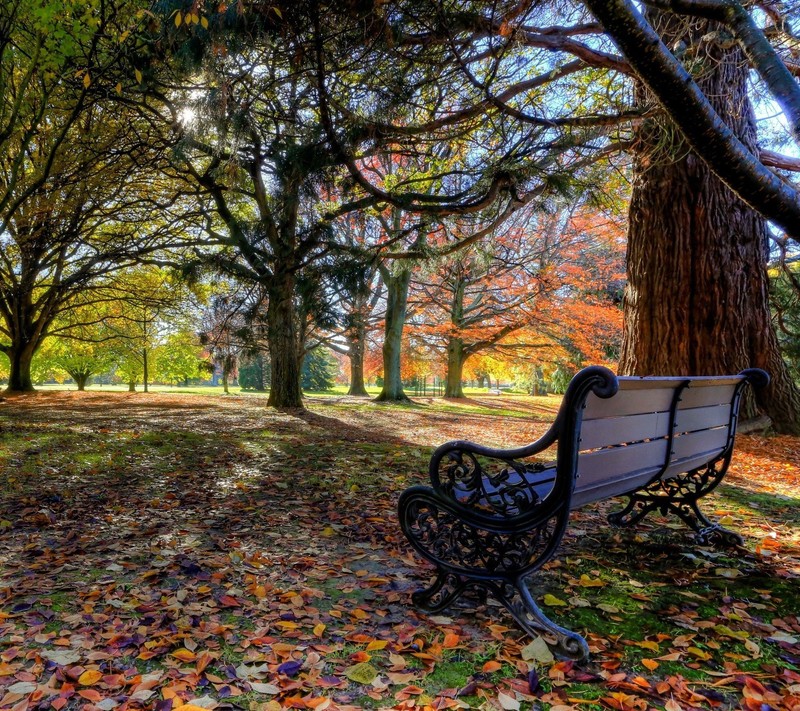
(560, 377)
(254, 372)
(785, 296)
(178, 359)
(319, 370)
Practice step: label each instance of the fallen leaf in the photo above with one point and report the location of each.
(537, 651)
(553, 601)
(362, 673)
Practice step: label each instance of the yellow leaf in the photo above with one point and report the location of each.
(138, 76)
(553, 601)
(89, 677)
(178, 18)
(327, 532)
(363, 673)
(195, 18)
(319, 629)
(184, 655)
(587, 582)
(698, 653)
(87, 80)
(119, 88)
(277, 12)
(726, 631)
(204, 22)
(376, 644)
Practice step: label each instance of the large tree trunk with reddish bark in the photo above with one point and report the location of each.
(697, 301)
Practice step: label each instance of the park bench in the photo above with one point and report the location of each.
(492, 517)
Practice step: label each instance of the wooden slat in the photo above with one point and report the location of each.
(702, 396)
(686, 445)
(698, 418)
(615, 462)
(629, 402)
(617, 487)
(617, 430)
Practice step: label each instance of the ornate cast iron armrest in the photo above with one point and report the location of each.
(488, 485)
(508, 488)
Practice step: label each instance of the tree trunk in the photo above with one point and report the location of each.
(357, 340)
(396, 303)
(455, 368)
(696, 302)
(81, 379)
(284, 389)
(225, 374)
(19, 378)
(356, 354)
(145, 375)
(131, 386)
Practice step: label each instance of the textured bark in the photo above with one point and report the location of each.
(693, 109)
(396, 304)
(696, 301)
(19, 378)
(145, 370)
(81, 380)
(282, 336)
(455, 368)
(356, 354)
(131, 386)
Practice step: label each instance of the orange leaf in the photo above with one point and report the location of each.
(491, 666)
(650, 664)
(90, 694)
(451, 640)
(89, 677)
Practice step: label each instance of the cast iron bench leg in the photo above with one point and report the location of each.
(441, 593)
(518, 600)
(680, 495)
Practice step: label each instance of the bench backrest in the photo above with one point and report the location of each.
(653, 428)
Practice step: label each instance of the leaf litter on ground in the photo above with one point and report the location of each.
(167, 552)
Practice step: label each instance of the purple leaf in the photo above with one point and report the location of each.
(290, 669)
